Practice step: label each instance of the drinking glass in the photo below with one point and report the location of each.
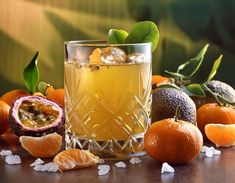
(107, 97)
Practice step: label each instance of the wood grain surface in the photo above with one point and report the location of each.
(218, 169)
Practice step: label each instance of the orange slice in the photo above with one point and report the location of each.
(74, 159)
(220, 134)
(45, 146)
(95, 56)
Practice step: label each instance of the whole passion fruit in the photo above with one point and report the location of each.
(35, 116)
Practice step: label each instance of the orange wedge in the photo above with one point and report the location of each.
(220, 134)
(45, 146)
(74, 159)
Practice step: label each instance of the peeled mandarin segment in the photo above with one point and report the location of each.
(74, 159)
(45, 146)
(221, 135)
(95, 58)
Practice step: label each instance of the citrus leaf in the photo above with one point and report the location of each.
(174, 74)
(215, 67)
(189, 68)
(117, 36)
(168, 86)
(31, 74)
(144, 32)
(194, 90)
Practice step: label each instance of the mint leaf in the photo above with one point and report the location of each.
(144, 32)
(117, 36)
(189, 68)
(194, 90)
(31, 74)
(215, 67)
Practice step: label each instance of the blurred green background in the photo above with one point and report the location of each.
(185, 26)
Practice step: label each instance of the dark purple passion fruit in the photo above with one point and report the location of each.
(35, 116)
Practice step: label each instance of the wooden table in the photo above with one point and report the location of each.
(219, 169)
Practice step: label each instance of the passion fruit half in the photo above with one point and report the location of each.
(35, 116)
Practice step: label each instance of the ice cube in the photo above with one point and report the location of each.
(12, 159)
(136, 58)
(5, 152)
(167, 168)
(120, 164)
(135, 160)
(204, 148)
(209, 153)
(37, 162)
(113, 55)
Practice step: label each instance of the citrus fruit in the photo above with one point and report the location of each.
(4, 114)
(10, 96)
(74, 159)
(214, 113)
(221, 88)
(56, 95)
(157, 79)
(171, 141)
(35, 116)
(221, 135)
(45, 146)
(165, 102)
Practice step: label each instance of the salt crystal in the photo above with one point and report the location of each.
(49, 167)
(40, 168)
(135, 160)
(12, 159)
(5, 152)
(103, 172)
(120, 164)
(167, 168)
(204, 148)
(106, 167)
(100, 161)
(215, 151)
(37, 162)
(209, 153)
(103, 169)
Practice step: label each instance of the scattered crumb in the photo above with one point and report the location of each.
(210, 151)
(103, 169)
(49, 167)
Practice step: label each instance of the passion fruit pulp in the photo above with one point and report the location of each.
(35, 116)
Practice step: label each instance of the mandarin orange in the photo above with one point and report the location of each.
(10, 96)
(56, 95)
(214, 113)
(171, 141)
(4, 114)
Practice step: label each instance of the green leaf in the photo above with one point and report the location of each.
(117, 36)
(215, 67)
(174, 74)
(144, 32)
(189, 68)
(168, 86)
(194, 90)
(31, 74)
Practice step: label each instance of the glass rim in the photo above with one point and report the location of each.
(101, 43)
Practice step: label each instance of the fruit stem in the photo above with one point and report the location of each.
(176, 113)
